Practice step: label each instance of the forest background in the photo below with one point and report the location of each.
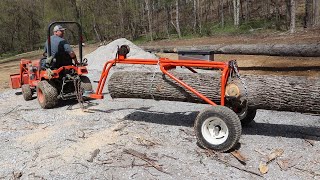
(24, 23)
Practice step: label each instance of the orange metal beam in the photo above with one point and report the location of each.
(165, 64)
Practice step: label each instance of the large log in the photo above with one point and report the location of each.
(282, 93)
(298, 50)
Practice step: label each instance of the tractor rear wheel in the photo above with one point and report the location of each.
(47, 94)
(26, 92)
(217, 128)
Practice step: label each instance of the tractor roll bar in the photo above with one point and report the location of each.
(79, 34)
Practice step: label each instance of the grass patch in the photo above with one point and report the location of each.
(28, 55)
(244, 28)
(141, 40)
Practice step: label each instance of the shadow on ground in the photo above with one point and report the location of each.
(263, 129)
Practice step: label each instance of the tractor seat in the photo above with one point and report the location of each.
(59, 60)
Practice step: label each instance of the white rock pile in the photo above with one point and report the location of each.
(99, 57)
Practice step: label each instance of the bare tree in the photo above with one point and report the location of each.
(236, 12)
(221, 7)
(149, 19)
(177, 19)
(292, 10)
(308, 13)
(195, 15)
(316, 4)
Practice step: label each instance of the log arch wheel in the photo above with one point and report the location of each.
(218, 128)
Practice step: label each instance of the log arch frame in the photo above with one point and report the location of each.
(228, 69)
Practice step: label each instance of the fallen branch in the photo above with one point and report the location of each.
(237, 167)
(144, 157)
(239, 157)
(216, 155)
(308, 171)
(13, 109)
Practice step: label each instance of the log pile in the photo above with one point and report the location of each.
(282, 93)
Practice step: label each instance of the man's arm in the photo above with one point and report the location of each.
(73, 56)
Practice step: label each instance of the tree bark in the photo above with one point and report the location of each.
(177, 19)
(298, 50)
(221, 10)
(195, 19)
(292, 16)
(308, 13)
(316, 13)
(236, 12)
(149, 19)
(282, 93)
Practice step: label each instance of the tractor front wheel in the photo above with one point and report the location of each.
(47, 94)
(217, 128)
(26, 92)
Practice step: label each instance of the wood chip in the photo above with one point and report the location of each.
(263, 168)
(93, 155)
(260, 152)
(120, 127)
(283, 164)
(239, 156)
(276, 153)
(311, 142)
(146, 142)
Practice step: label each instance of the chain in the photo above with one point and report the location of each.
(78, 90)
(234, 65)
(152, 79)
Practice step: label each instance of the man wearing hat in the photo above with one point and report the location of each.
(60, 48)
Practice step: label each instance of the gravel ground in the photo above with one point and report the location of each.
(57, 143)
(60, 143)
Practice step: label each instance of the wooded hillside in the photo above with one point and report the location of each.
(24, 22)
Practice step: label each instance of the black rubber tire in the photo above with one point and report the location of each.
(50, 94)
(231, 121)
(26, 92)
(249, 116)
(85, 83)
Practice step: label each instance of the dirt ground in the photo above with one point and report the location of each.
(300, 66)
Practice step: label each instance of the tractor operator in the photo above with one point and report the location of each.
(61, 50)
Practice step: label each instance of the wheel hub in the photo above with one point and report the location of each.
(215, 130)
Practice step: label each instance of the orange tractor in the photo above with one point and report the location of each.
(50, 82)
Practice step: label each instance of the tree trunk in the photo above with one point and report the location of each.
(299, 50)
(177, 19)
(316, 13)
(236, 12)
(282, 93)
(121, 18)
(221, 10)
(247, 13)
(292, 16)
(308, 13)
(149, 19)
(195, 19)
